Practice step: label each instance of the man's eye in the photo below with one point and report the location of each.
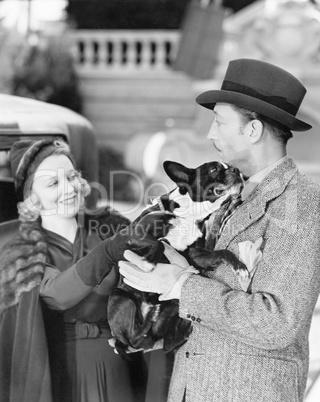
(215, 121)
(53, 183)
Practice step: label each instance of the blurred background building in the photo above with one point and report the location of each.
(134, 68)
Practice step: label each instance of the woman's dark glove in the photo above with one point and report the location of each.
(98, 263)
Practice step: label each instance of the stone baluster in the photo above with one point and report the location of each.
(81, 48)
(102, 53)
(90, 53)
(145, 54)
(160, 54)
(116, 54)
(131, 53)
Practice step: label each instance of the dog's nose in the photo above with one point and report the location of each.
(235, 171)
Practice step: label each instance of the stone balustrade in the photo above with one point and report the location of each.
(122, 50)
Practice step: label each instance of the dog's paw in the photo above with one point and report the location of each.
(204, 259)
(177, 335)
(147, 266)
(241, 270)
(154, 254)
(196, 252)
(154, 314)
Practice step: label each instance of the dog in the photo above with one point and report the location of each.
(137, 319)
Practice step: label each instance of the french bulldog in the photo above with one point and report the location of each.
(138, 319)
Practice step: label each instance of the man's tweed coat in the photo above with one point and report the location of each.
(253, 345)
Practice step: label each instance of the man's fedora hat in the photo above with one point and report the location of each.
(260, 87)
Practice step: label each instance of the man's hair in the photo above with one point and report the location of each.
(279, 131)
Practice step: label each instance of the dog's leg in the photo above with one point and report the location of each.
(173, 329)
(144, 239)
(127, 323)
(208, 260)
(177, 334)
(149, 248)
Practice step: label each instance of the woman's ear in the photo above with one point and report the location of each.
(254, 131)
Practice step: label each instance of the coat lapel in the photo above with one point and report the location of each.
(254, 207)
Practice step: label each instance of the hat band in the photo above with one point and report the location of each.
(278, 101)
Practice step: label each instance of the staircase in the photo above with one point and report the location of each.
(123, 105)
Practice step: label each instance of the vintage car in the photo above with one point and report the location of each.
(23, 118)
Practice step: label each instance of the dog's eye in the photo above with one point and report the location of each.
(212, 170)
(218, 192)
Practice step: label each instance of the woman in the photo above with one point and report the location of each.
(72, 283)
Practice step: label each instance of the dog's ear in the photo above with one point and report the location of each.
(178, 173)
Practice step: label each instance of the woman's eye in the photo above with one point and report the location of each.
(53, 183)
(72, 175)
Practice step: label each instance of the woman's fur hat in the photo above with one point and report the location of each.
(27, 155)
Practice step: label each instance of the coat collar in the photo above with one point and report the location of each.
(255, 205)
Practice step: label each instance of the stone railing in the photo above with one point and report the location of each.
(121, 50)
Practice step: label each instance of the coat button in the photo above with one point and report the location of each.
(198, 319)
(193, 318)
(188, 315)
(187, 354)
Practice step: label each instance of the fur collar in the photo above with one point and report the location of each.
(22, 262)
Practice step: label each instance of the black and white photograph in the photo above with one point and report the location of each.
(159, 200)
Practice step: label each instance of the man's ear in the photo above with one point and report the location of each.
(254, 131)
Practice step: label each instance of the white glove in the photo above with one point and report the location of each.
(166, 279)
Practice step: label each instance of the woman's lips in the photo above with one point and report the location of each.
(69, 201)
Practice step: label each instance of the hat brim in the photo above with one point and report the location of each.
(209, 99)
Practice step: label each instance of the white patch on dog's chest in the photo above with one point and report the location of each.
(183, 233)
(185, 229)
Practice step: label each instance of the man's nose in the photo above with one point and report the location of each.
(212, 133)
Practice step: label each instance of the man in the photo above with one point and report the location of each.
(250, 335)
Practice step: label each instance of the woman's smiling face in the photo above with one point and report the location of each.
(57, 187)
